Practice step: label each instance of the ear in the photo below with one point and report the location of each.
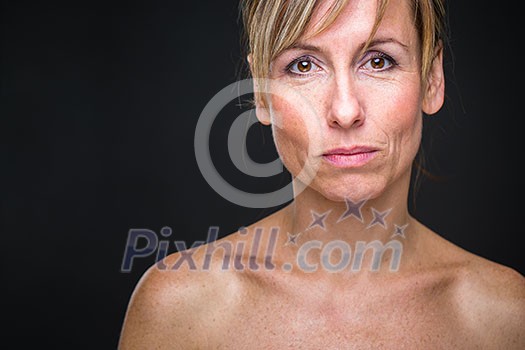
(261, 110)
(434, 94)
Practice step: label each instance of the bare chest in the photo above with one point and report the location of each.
(370, 321)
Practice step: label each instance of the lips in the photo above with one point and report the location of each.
(350, 157)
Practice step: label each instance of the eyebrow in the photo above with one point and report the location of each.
(374, 42)
(388, 40)
(305, 47)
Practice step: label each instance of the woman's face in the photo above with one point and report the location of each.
(352, 125)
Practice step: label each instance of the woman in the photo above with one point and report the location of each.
(344, 265)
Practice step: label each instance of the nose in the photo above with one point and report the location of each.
(346, 108)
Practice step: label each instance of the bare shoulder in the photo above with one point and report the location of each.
(492, 297)
(489, 297)
(490, 280)
(192, 299)
(179, 305)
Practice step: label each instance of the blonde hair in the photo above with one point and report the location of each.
(271, 26)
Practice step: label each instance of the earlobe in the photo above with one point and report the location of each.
(261, 110)
(262, 114)
(435, 87)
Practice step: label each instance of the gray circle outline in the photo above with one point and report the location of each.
(240, 157)
(203, 156)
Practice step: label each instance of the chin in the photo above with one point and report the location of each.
(353, 187)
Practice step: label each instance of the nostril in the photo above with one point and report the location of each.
(346, 109)
(352, 120)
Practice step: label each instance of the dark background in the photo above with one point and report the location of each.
(98, 109)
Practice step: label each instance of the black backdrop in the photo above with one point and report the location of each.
(98, 109)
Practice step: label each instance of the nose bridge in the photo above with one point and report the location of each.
(346, 110)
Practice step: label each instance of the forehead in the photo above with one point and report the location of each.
(356, 21)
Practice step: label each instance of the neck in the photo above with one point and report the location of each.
(352, 219)
(356, 222)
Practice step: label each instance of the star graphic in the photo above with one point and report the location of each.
(353, 209)
(400, 231)
(379, 218)
(292, 239)
(319, 219)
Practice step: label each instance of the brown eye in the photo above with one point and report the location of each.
(378, 63)
(304, 66)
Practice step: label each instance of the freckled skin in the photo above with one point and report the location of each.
(386, 106)
(441, 297)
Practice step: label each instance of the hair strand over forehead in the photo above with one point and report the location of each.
(271, 26)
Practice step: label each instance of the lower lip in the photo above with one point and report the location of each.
(349, 160)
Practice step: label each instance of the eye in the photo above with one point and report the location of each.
(379, 62)
(302, 66)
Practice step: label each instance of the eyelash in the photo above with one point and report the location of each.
(288, 68)
(372, 54)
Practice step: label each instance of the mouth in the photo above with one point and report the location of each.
(351, 157)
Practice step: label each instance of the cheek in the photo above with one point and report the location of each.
(295, 128)
(403, 123)
(392, 112)
(290, 134)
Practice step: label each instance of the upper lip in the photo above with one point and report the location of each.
(350, 150)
